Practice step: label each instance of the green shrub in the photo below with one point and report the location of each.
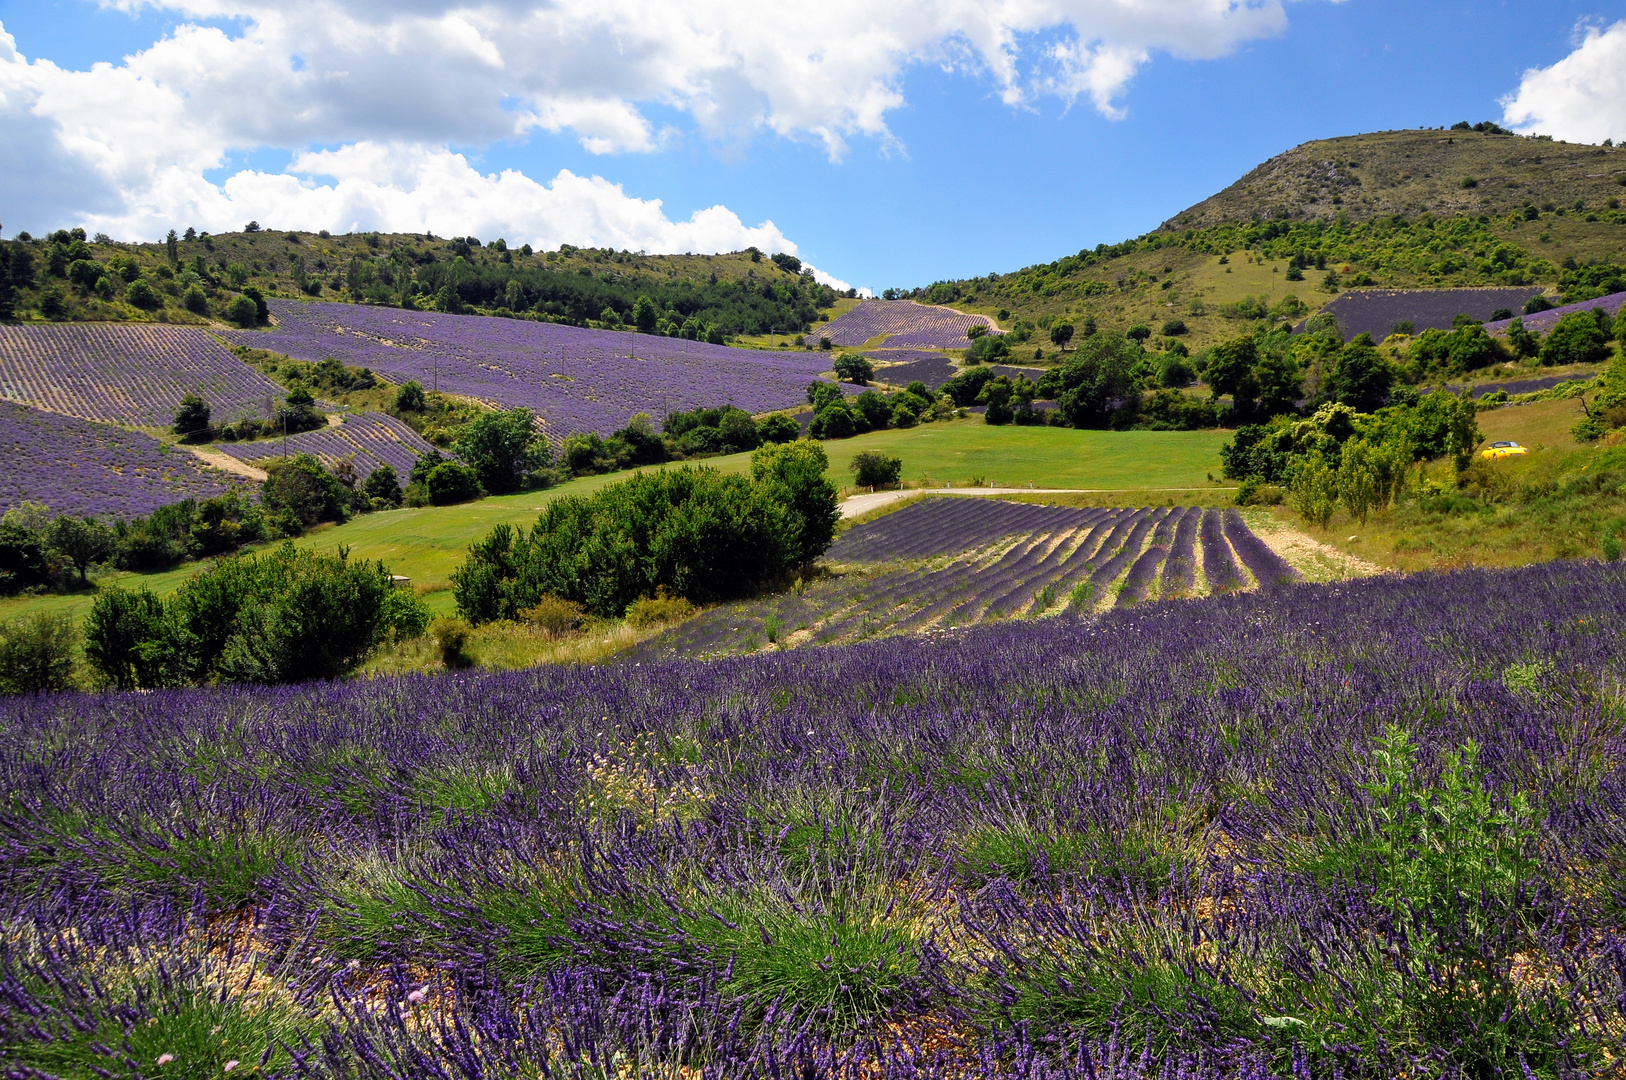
(503, 449)
(243, 311)
(1577, 339)
(298, 492)
(132, 644)
(874, 469)
(555, 616)
(647, 611)
(141, 295)
(452, 482)
(779, 428)
(36, 654)
(451, 637)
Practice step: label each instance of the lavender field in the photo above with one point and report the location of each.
(367, 440)
(75, 467)
(133, 375)
(1542, 322)
(954, 562)
(1362, 830)
(1376, 311)
(903, 324)
(575, 379)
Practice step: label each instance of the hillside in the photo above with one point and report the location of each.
(195, 278)
(1384, 210)
(1445, 173)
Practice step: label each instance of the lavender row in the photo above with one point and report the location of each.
(1267, 567)
(128, 374)
(76, 467)
(938, 526)
(575, 379)
(1143, 574)
(1219, 566)
(1180, 571)
(904, 324)
(1152, 844)
(366, 440)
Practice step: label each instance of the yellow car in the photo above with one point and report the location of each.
(1503, 449)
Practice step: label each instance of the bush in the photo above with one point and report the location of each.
(452, 482)
(287, 616)
(658, 610)
(243, 311)
(192, 419)
(451, 638)
(410, 397)
(555, 616)
(23, 562)
(298, 492)
(195, 300)
(141, 295)
(503, 450)
(779, 428)
(1174, 327)
(383, 485)
(1577, 339)
(854, 368)
(36, 654)
(832, 422)
(874, 469)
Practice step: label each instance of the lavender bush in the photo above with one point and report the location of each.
(903, 324)
(128, 374)
(576, 380)
(75, 467)
(1300, 832)
(367, 440)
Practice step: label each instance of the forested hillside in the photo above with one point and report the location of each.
(196, 277)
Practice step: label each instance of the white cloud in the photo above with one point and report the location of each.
(392, 84)
(1582, 98)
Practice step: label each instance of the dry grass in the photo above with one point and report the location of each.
(507, 645)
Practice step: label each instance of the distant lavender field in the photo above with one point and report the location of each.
(127, 374)
(575, 379)
(1376, 311)
(905, 323)
(367, 439)
(76, 467)
(1543, 321)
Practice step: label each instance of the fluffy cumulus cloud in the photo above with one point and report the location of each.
(1582, 98)
(129, 145)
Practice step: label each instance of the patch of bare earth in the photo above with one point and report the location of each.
(210, 456)
(1312, 558)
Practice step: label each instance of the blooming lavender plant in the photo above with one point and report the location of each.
(75, 467)
(367, 440)
(128, 374)
(904, 324)
(575, 379)
(1292, 832)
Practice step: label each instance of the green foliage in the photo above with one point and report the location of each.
(1096, 382)
(298, 492)
(504, 450)
(409, 398)
(1360, 378)
(1312, 484)
(703, 535)
(36, 654)
(872, 468)
(451, 638)
(82, 541)
(141, 295)
(452, 482)
(1444, 353)
(1577, 339)
(286, 616)
(834, 421)
(192, 419)
(854, 368)
(779, 428)
(243, 312)
(188, 529)
(383, 485)
(988, 349)
(793, 476)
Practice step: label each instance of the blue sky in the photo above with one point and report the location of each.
(951, 180)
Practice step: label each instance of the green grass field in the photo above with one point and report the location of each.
(427, 544)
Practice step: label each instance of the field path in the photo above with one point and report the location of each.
(209, 455)
(854, 505)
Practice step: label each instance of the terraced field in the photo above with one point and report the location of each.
(122, 374)
(367, 440)
(954, 562)
(904, 324)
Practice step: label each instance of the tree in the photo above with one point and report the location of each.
(874, 469)
(383, 484)
(192, 418)
(298, 492)
(821, 394)
(1577, 339)
(131, 644)
(832, 422)
(410, 397)
(854, 368)
(172, 248)
(1096, 383)
(36, 654)
(1523, 343)
(779, 428)
(645, 315)
(875, 408)
(1060, 334)
(1138, 333)
(996, 395)
(452, 482)
(1280, 384)
(504, 449)
(261, 308)
(243, 312)
(81, 541)
(139, 294)
(1360, 378)
(195, 300)
(53, 305)
(1231, 371)
(793, 474)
